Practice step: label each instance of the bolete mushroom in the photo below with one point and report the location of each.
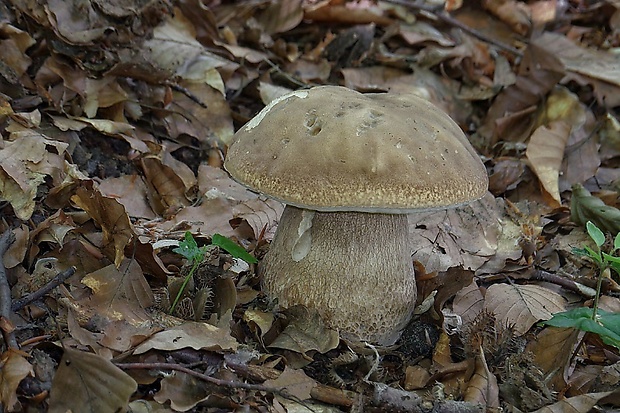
(349, 167)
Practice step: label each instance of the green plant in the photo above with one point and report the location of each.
(595, 320)
(189, 249)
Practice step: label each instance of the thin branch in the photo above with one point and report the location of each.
(446, 18)
(219, 382)
(5, 290)
(53, 283)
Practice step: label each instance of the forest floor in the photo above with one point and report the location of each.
(116, 117)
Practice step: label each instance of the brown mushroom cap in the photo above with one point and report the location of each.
(333, 149)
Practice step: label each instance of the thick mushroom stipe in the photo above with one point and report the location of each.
(357, 273)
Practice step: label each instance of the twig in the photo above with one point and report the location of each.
(564, 282)
(219, 382)
(178, 88)
(53, 283)
(5, 290)
(446, 18)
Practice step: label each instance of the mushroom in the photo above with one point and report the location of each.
(349, 167)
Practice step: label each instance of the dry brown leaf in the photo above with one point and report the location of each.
(259, 319)
(522, 306)
(581, 159)
(14, 44)
(545, 151)
(212, 216)
(121, 336)
(592, 64)
(75, 22)
(468, 302)
(199, 336)
(295, 382)
(305, 332)
(514, 13)
(347, 13)
(17, 251)
(464, 236)
(576, 404)
(119, 294)
(212, 123)
(509, 117)
(262, 215)
(175, 49)
(54, 229)
(183, 391)
(280, 16)
(25, 161)
(110, 215)
(421, 31)
(14, 369)
(553, 352)
(85, 337)
(130, 191)
(167, 192)
(482, 387)
(87, 382)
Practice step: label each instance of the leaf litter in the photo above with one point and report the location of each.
(115, 119)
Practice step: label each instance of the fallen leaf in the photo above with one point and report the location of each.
(468, 302)
(14, 369)
(305, 332)
(553, 352)
(119, 294)
(183, 391)
(482, 388)
(87, 382)
(294, 382)
(130, 191)
(578, 404)
(190, 334)
(522, 305)
(545, 152)
(464, 236)
(110, 215)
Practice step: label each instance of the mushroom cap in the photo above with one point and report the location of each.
(331, 148)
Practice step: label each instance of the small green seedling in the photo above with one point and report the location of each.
(595, 320)
(194, 254)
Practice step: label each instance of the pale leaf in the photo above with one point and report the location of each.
(14, 369)
(545, 152)
(522, 305)
(191, 334)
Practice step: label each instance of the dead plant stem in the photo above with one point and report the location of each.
(5, 290)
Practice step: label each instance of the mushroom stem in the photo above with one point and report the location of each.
(357, 272)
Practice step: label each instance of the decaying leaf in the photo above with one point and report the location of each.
(190, 334)
(120, 294)
(468, 302)
(522, 305)
(464, 236)
(295, 382)
(14, 369)
(24, 163)
(482, 387)
(183, 391)
(306, 331)
(577, 404)
(545, 152)
(87, 382)
(110, 215)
